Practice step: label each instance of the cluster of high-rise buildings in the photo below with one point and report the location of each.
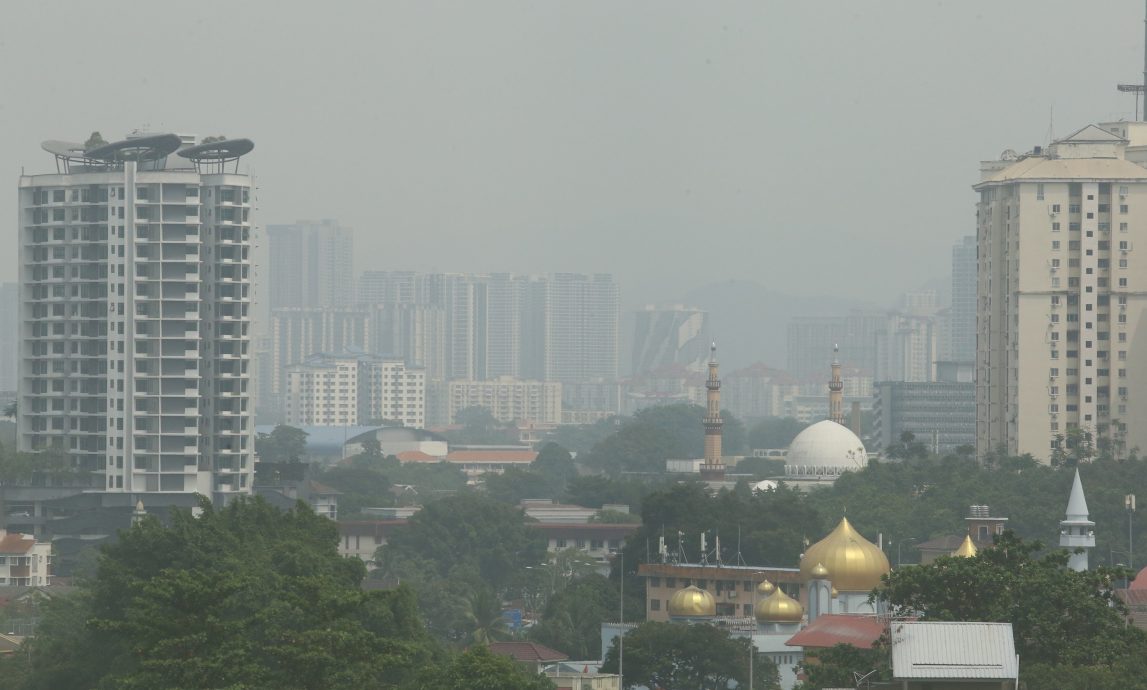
(512, 340)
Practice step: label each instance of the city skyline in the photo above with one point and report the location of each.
(511, 121)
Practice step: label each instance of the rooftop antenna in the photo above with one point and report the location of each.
(1138, 89)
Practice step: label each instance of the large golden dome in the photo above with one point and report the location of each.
(692, 602)
(779, 608)
(854, 563)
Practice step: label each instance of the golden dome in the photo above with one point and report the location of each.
(967, 549)
(692, 602)
(819, 572)
(835, 593)
(766, 588)
(779, 608)
(855, 564)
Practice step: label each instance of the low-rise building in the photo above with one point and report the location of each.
(24, 561)
(967, 655)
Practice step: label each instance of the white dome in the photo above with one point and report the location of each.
(827, 444)
(765, 485)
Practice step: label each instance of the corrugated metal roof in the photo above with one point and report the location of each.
(953, 650)
(1040, 168)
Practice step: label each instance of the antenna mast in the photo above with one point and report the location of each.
(1138, 89)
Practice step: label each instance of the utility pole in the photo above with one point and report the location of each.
(1129, 503)
(621, 640)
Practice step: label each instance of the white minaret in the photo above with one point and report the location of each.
(1075, 530)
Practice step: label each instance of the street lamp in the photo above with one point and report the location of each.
(899, 545)
(1129, 504)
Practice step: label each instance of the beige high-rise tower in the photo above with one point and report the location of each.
(713, 467)
(1061, 294)
(836, 390)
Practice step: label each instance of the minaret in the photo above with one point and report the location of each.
(836, 390)
(1075, 530)
(139, 513)
(819, 593)
(713, 466)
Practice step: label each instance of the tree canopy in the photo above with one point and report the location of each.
(243, 596)
(680, 657)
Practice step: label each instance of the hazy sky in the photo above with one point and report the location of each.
(821, 147)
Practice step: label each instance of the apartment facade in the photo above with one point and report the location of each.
(508, 399)
(24, 561)
(961, 327)
(352, 389)
(1061, 294)
(311, 265)
(135, 296)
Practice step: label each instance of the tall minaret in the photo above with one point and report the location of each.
(836, 390)
(1075, 530)
(713, 467)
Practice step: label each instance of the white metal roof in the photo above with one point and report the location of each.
(953, 650)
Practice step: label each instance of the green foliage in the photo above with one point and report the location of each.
(554, 463)
(94, 140)
(833, 667)
(581, 438)
(242, 597)
(464, 532)
(283, 444)
(1059, 616)
(775, 432)
(651, 437)
(478, 669)
(571, 622)
(734, 438)
(361, 488)
(907, 447)
(594, 491)
(674, 656)
(480, 427)
(515, 485)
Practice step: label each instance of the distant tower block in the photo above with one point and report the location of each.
(713, 467)
(836, 390)
(1075, 530)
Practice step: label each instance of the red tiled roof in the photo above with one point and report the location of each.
(16, 543)
(319, 488)
(527, 651)
(833, 629)
(491, 456)
(416, 456)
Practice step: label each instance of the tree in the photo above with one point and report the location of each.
(514, 486)
(480, 427)
(478, 669)
(554, 463)
(571, 621)
(360, 487)
(1059, 616)
(734, 438)
(833, 667)
(243, 596)
(283, 444)
(680, 657)
(907, 447)
(775, 432)
(465, 531)
(594, 491)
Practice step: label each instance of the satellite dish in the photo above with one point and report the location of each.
(1009, 155)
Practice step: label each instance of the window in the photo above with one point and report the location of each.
(1055, 318)
(1055, 226)
(1055, 300)
(1055, 263)
(1073, 227)
(1039, 192)
(1123, 208)
(1123, 227)
(1055, 209)
(1055, 245)
(654, 582)
(1123, 263)
(1054, 336)
(1122, 190)
(1054, 372)
(1122, 282)
(1104, 208)
(654, 604)
(1073, 208)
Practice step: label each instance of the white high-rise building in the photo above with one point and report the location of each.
(580, 327)
(508, 399)
(135, 295)
(353, 388)
(1061, 294)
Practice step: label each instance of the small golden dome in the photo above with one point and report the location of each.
(819, 572)
(855, 564)
(692, 602)
(967, 549)
(779, 608)
(766, 588)
(835, 593)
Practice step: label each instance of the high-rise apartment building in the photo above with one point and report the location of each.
(353, 388)
(415, 333)
(9, 335)
(135, 292)
(811, 340)
(311, 265)
(1061, 294)
(298, 333)
(961, 323)
(906, 349)
(580, 323)
(664, 336)
(508, 399)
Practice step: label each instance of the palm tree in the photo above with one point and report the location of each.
(486, 618)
